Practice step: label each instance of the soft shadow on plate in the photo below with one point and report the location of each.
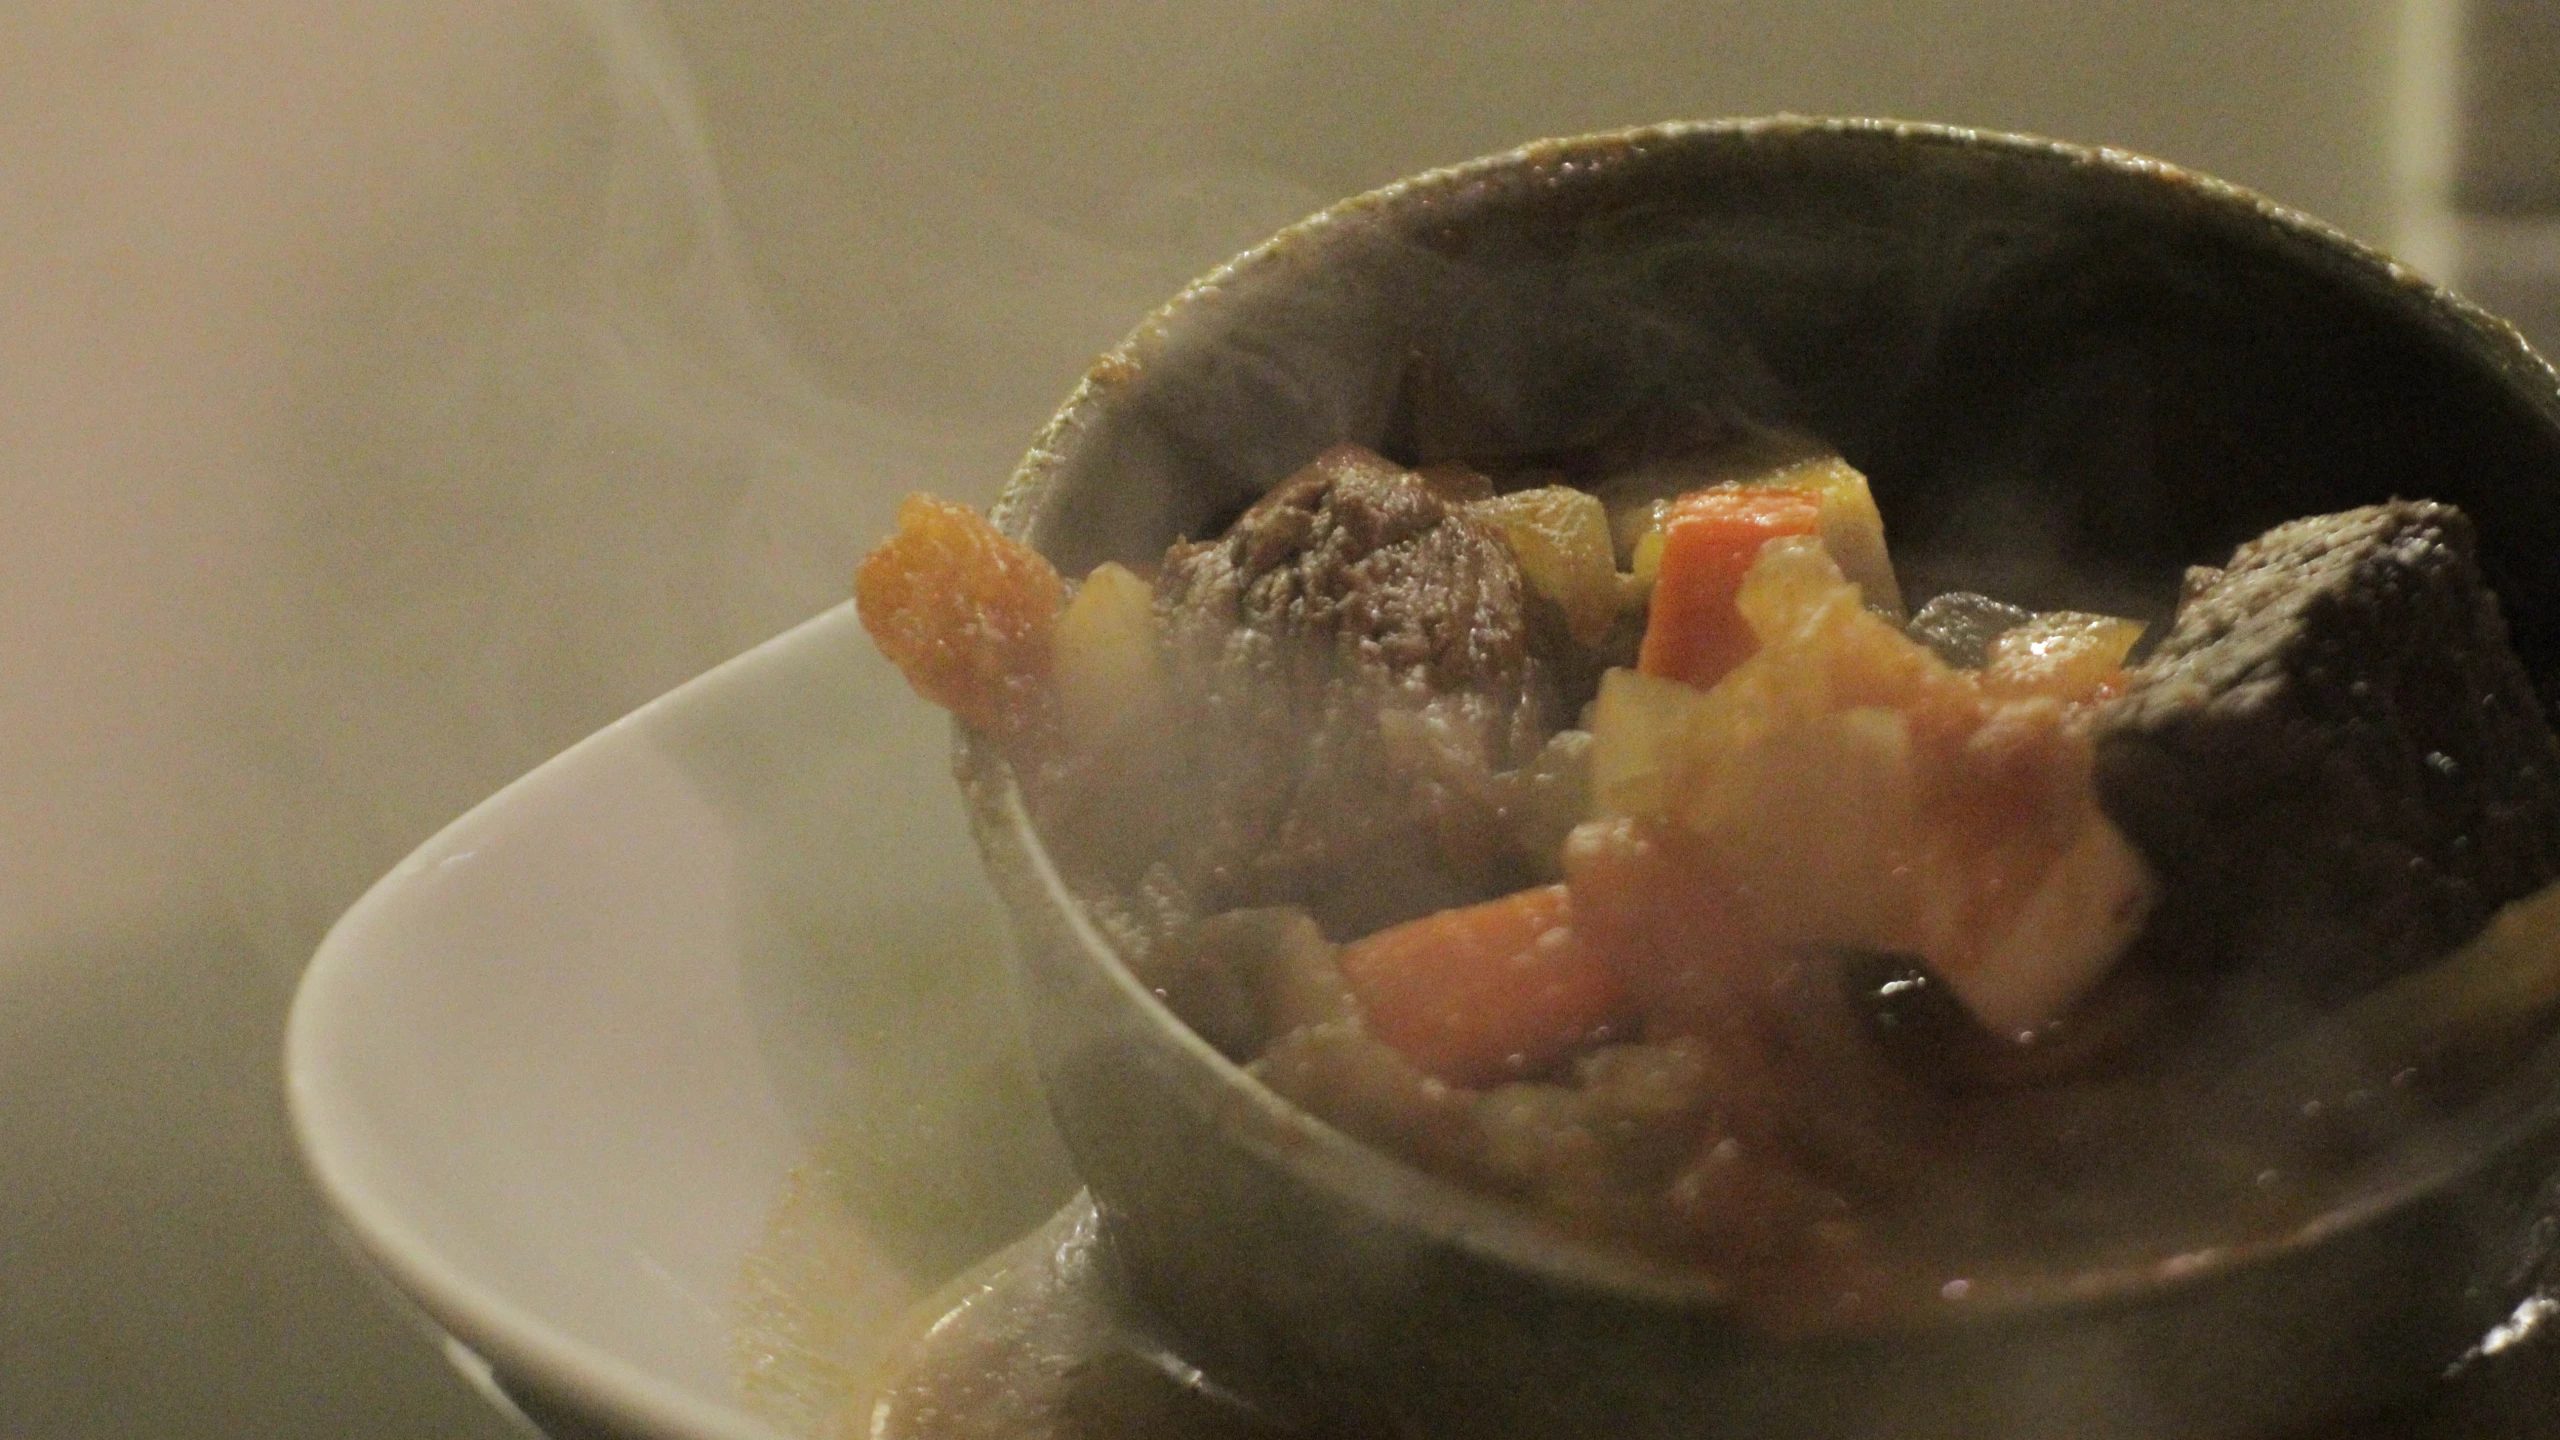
(707, 1008)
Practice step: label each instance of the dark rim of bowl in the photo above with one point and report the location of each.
(1502, 1231)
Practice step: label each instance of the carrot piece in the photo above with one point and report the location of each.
(1709, 539)
(1486, 993)
(966, 613)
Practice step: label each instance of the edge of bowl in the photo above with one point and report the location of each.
(523, 1348)
(1442, 1210)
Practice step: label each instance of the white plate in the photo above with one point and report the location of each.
(555, 1071)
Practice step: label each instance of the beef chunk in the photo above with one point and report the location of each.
(1356, 667)
(2334, 758)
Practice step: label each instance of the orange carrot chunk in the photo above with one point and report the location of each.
(966, 614)
(1487, 993)
(1709, 540)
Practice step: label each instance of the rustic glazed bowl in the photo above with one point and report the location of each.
(2069, 373)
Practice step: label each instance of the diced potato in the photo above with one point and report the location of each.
(1369, 1090)
(1644, 753)
(1303, 984)
(1851, 526)
(1810, 803)
(1549, 796)
(1858, 790)
(1794, 590)
(2061, 653)
(1666, 751)
(1533, 1133)
(2501, 979)
(1819, 831)
(2062, 940)
(1110, 677)
(1656, 904)
(1562, 538)
(1644, 561)
(1242, 977)
(2497, 988)
(1644, 1084)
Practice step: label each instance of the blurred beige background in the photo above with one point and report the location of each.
(391, 394)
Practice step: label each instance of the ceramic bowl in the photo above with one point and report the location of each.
(2069, 373)
(560, 1072)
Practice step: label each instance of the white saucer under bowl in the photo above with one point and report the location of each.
(561, 1070)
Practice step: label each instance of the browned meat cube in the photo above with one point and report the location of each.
(1356, 664)
(2334, 757)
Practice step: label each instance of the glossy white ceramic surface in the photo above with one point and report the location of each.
(553, 1071)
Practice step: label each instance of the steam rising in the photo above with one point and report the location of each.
(559, 452)
(566, 466)
(391, 402)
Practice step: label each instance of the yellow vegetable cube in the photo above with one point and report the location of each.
(1561, 536)
(1109, 676)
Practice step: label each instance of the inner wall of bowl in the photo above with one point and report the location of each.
(2067, 377)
